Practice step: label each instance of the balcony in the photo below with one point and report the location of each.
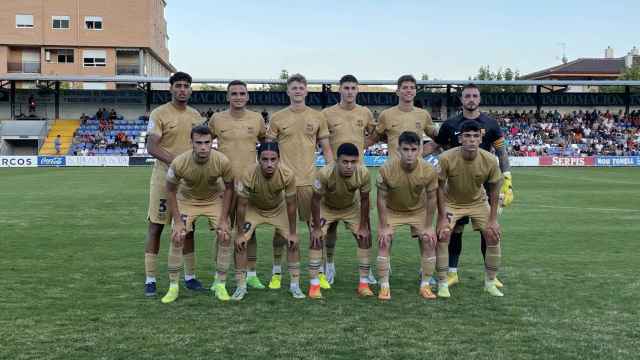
(127, 69)
(24, 67)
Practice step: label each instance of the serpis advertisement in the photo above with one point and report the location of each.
(51, 161)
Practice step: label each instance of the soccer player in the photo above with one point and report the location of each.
(463, 171)
(341, 193)
(193, 191)
(267, 195)
(347, 122)
(492, 138)
(404, 117)
(407, 195)
(169, 136)
(298, 129)
(238, 130)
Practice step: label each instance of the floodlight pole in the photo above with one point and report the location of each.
(538, 99)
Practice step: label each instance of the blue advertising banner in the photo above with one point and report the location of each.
(51, 161)
(617, 161)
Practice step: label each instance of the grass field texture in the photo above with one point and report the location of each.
(72, 281)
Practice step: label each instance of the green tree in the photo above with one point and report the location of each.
(485, 73)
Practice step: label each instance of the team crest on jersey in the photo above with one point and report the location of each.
(309, 128)
(360, 123)
(250, 130)
(246, 227)
(418, 125)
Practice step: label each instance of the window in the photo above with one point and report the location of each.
(93, 22)
(60, 22)
(92, 58)
(59, 56)
(24, 21)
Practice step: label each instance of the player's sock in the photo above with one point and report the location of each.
(278, 250)
(241, 278)
(442, 261)
(483, 246)
(190, 264)
(294, 272)
(315, 261)
(330, 251)
(363, 262)
(174, 265)
(428, 263)
(492, 261)
(455, 249)
(150, 266)
(252, 253)
(223, 261)
(383, 270)
(276, 270)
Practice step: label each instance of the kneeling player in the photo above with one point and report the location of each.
(267, 195)
(193, 191)
(463, 171)
(335, 199)
(407, 195)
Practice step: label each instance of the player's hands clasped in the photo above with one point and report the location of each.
(316, 238)
(292, 241)
(385, 234)
(493, 233)
(178, 234)
(223, 231)
(241, 242)
(364, 237)
(430, 237)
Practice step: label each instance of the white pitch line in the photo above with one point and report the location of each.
(586, 208)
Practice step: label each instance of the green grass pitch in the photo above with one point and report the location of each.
(72, 281)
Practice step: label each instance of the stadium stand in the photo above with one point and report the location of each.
(124, 137)
(64, 128)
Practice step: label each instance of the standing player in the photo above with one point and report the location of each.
(492, 138)
(238, 130)
(407, 195)
(404, 117)
(463, 171)
(267, 195)
(298, 129)
(348, 122)
(169, 136)
(193, 191)
(336, 199)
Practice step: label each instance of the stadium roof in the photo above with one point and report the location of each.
(143, 79)
(584, 68)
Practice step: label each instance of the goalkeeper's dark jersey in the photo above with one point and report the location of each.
(450, 130)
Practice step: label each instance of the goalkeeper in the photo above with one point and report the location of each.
(492, 138)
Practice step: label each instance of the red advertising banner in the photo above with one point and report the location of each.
(567, 161)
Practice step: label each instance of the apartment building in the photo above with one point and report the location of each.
(84, 37)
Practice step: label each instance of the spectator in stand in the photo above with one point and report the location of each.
(32, 105)
(58, 144)
(209, 113)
